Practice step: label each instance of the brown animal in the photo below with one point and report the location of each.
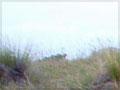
(4, 74)
(3, 70)
(16, 74)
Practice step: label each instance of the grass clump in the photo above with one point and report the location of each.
(7, 57)
(10, 57)
(113, 64)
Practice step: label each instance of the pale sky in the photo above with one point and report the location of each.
(56, 27)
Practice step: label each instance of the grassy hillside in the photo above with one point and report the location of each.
(58, 73)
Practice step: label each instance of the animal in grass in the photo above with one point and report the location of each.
(3, 70)
(4, 74)
(16, 74)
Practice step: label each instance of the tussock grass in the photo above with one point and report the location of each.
(10, 57)
(113, 65)
(7, 57)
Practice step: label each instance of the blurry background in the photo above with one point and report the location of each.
(49, 28)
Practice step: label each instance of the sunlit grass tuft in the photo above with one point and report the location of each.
(113, 66)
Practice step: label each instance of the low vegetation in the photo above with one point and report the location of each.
(58, 73)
